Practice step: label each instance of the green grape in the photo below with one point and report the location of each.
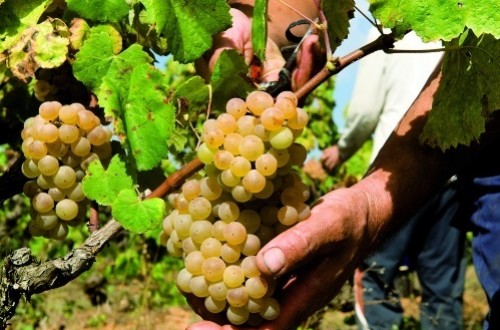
(199, 286)
(222, 159)
(205, 153)
(36, 150)
(249, 266)
(81, 147)
(200, 231)
(256, 287)
(251, 147)
(299, 121)
(87, 120)
(213, 138)
(287, 107)
(237, 315)
(182, 224)
(65, 177)
(42, 202)
(194, 262)
(288, 215)
(240, 194)
(97, 136)
(235, 233)
(237, 297)
(213, 269)
(68, 133)
(49, 110)
(75, 192)
(30, 169)
(282, 156)
(200, 208)
(191, 189)
(230, 253)
(233, 276)
(183, 279)
(47, 133)
(258, 101)
(211, 247)
(47, 220)
(45, 182)
(236, 107)
(210, 188)
(262, 132)
(240, 166)
(270, 309)
(251, 245)
(246, 125)
(68, 114)
(272, 118)
(228, 211)
(67, 209)
(214, 306)
(57, 149)
(282, 138)
(218, 230)
(218, 291)
(48, 165)
(189, 246)
(59, 232)
(266, 164)
(232, 143)
(254, 305)
(254, 181)
(227, 123)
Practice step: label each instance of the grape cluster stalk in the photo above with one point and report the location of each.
(59, 144)
(248, 194)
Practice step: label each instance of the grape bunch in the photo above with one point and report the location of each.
(249, 194)
(59, 144)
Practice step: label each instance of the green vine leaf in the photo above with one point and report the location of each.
(149, 118)
(99, 10)
(188, 29)
(468, 93)
(259, 28)
(136, 215)
(230, 70)
(338, 13)
(43, 45)
(15, 17)
(436, 19)
(192, 95)
(103, 185)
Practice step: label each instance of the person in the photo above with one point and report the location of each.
(319, 255)
(386, 85)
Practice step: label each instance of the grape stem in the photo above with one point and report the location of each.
(384, 42)
(23, 275)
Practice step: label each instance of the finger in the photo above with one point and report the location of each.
(307, 61)
(207, 325)
(273, 63)
(323, 228)
(310, 290)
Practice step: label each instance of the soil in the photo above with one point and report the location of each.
(69, 308)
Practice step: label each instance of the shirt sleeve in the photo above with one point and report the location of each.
(366, 104)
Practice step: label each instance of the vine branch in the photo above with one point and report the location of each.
(384, 42)
(23, 275)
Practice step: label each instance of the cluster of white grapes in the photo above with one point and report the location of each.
(59, 144)
(249, 195)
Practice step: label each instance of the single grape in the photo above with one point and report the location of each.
(68, 133)
(36, 150)
(240, 194)
(213, 138)
(182, 280)
(237, 315)
(182, 224)
(68, 114)
(213, 269)
(31, 188)
(251, 245)
(48, 165)
(246, 125)
(266, 164)
(299, 121)
(97, 136)
(87, 120)
(240, 166)
(199, 286)
(230, 253)
(227, 123)
(57, 149)
(214, 306)
(30, 169)
(200, 208)
(272, 118)
(194, 262)
(87, 160)
(67, 209)
(236, 107)
(258, 101)
(42, 202)
(47, 132)
(270, 309)
(218, 291)
(205, 153)
(45, 182)
(233, 276)
(57, 194)
(252, 147)
(232, 143)
(287, 107)
(65, 177)
(59, 232)
(237, 297)
(81, 147)
(253, 181)
(210, 188)
(249, 266)
(222, 159)
(191, 189)
(200, 231)
(75, 192)
(49, 110)
(47, 220)
(281, 138)
(235, 233)
(211, 247)
(218, 230)
(228, 211)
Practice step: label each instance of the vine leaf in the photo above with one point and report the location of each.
(468, 92)
(136, 215)
(104, 185)
(259, 28)
(193, 94)
(15, 17)
(188, 29)
(437, 19)
(229, 70)
(99, 10)
(149, 118)
(338, 13)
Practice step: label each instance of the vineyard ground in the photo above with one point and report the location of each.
(69, 308)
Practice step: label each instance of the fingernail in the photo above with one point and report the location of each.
(274, 259)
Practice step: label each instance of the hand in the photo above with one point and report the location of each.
(331, 157)
(238, 37)
(327, 247)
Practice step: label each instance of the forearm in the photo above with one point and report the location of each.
(405, 173)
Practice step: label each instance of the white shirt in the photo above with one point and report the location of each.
(386, 85)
